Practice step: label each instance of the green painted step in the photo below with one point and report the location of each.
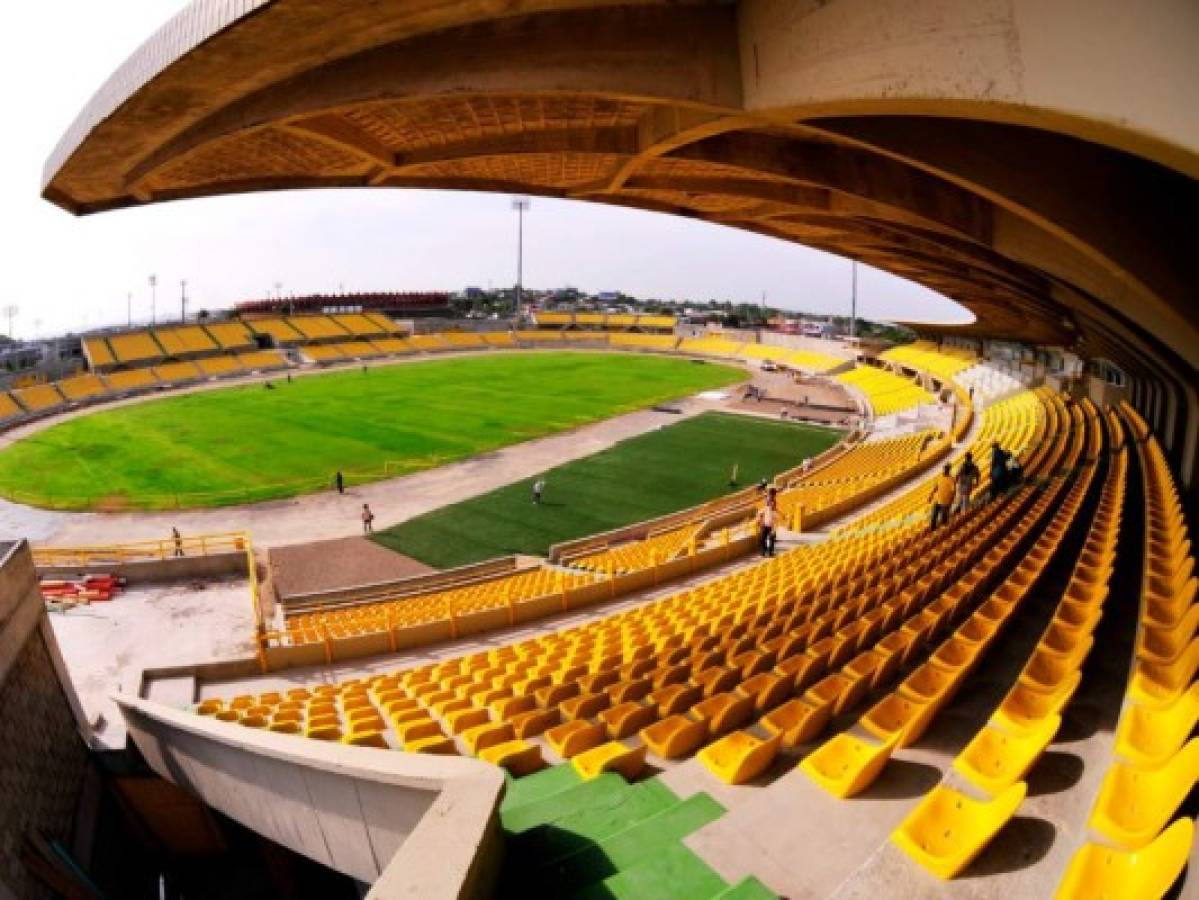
(612, 813)
(626, 848)
(673, 872)
(538, 786)
(748, 888)
(606, 789)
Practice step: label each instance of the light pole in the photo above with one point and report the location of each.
(11, 311)
(153, 299)
(853, 299)
(129, 307)
(183, 302)
(521, 205)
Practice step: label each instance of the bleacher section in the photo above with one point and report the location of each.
(710, 345)
(178, 372)
(135, 347)
(130, 380)
(82, 387)
(231, 335)
(813, 362)
(925, 356)
(361, 325)
(276, 329)
(9, 408)
(613, 321)
(218, 366)
(184, 341)
(38, 398)
(886, 393)
(316, 328)
(262, 360)
(98, 354)
(634, 341)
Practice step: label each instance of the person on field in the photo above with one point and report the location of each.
(368, 519)
(998, 469)
(340, 482)
(968, 476)
(178, 539)
(944, 487)
(538, 490)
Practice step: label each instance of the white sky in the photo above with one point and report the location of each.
(69, 273)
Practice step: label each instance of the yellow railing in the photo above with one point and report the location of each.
(143, 551)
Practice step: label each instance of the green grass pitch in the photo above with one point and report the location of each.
(247, 444)
(650, 475)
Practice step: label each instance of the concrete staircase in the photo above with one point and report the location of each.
(607, 838)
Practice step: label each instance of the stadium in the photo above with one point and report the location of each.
(351, 595)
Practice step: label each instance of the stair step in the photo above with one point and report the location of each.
(607, 816)
(748, 888)
(558, 805)
(671, 873)
(522, 791)
(628, 847)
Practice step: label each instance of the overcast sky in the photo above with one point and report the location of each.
(69, 273)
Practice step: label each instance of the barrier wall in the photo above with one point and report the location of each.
(412, 825)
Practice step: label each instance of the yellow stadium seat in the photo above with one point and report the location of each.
(846, 765)
(442, 746)
(519, 757)
(1163, 646)
(627, 718)
(993, 760)
(675, 736)
(901, 717)
(724, 712)
(948, 829)
(1159, 685)
(1024, 707)
(572, 738)
(798, 721)
(740, 756)
(1144, 874)
(1134, 804)
(610, 757)
(1147, 737)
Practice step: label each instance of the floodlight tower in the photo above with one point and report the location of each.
(153, 299)
(521, 205)
(183, 302)
(11, 311)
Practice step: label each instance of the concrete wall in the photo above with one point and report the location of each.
(142, 571)
(42, 755)
(412, 825)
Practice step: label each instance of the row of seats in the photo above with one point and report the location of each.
(886, 392)
(385, 614)
(151, 344)
(679, 672)
(301, 329)
(925, 356)
(633, 556)
(1134, 845)
(610, 320)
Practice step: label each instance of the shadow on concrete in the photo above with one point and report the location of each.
(1023, 842)
(903, 779)
(1054, 772)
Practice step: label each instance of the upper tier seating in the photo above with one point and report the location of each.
(231, 335)
(97, 351)
(277, 329)
(361, 325)
(315, 328)
(181, 341)
(886, 393)
(135, 346)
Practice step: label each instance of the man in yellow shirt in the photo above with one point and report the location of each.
(944, 487)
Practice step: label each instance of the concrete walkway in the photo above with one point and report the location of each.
(329, 515)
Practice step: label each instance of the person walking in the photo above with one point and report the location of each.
(942, 497)
(339, 480)
(998, 470)
(968, 476)
(368, 519)
(178, 538)
(538, 490)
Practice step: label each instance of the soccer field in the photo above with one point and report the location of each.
(247, 443)
(660, 472)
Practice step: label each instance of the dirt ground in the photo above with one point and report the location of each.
(337, 563)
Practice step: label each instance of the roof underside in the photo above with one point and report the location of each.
(1046, 234)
